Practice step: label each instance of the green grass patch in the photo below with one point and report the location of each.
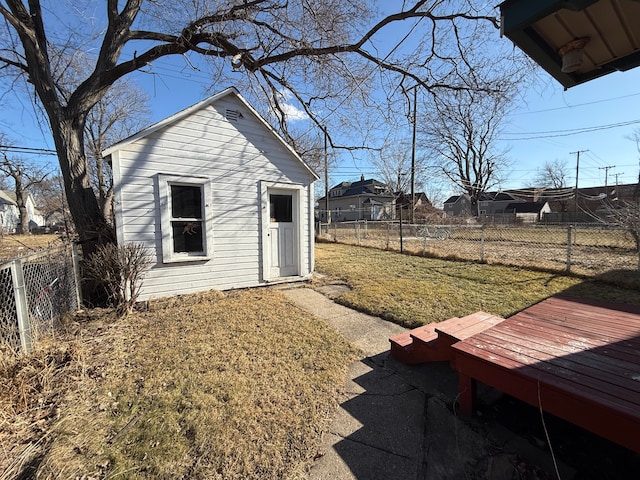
(413, 291)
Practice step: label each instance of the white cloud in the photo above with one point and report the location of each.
(291, 111)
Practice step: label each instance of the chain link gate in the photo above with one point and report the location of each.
(36, 291)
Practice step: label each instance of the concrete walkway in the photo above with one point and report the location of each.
(394, 421)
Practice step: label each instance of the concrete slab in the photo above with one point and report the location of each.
(395, 421)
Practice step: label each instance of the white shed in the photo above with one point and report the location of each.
(218, 197)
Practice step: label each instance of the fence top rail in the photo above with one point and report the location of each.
(35, 255)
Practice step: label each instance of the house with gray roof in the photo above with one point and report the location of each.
(366, 199)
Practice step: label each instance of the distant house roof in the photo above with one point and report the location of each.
(361, 187)
(496, 197)
(8, 196)
(366, 187)
(487, 196)
(405, 198)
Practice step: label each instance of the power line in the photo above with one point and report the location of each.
(29, 150)
(576, 105)
(562, 133)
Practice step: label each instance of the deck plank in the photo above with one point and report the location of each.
(579, 359)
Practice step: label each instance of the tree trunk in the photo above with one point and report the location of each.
(92, 228)
(23, 220)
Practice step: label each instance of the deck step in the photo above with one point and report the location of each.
(432, 342)
(403, 345)
(462, 328)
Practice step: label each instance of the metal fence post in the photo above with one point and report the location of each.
(568, 268)
(482, 243)
(22, 309)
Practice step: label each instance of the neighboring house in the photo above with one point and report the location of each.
(219, 199)
(10, 214)
(363, 200)
(457, 206)
(489, 205)
(495, 203)
(422, 206)
(528, 212)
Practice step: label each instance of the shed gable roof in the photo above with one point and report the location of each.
(231, 91)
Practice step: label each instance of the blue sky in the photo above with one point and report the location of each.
(543, 127)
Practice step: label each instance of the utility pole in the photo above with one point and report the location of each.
(617, 175)
(413, 156)
(326, 178)
(575, 199)
(606, 173)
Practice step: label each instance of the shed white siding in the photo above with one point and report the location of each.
(238, 155)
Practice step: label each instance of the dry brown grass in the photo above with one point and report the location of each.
(12, 246)
(236, 385)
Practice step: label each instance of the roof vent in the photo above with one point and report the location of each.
(233, 115)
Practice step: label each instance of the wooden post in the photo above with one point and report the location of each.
(467, 387)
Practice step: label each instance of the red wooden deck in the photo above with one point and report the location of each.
(577, 359)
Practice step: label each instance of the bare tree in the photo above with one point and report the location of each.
(323, 53)
(461, 132)
(25, 175)
(555, 175)
(552, 174)
(627, 215)
(122, 111)
(635, 137)
(393, 164)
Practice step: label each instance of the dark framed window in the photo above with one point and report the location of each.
(186, 219)
(281, 208)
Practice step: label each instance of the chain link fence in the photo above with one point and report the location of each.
(36, 291)
(582, 249)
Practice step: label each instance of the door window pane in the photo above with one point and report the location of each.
(281, 208)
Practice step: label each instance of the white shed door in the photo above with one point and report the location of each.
(282, 235)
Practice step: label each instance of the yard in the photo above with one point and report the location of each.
(228, 385)
(18, 245)
(235, 385)
(413, 291)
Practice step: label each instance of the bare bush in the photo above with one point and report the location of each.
(627, 216)
(120, 268)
